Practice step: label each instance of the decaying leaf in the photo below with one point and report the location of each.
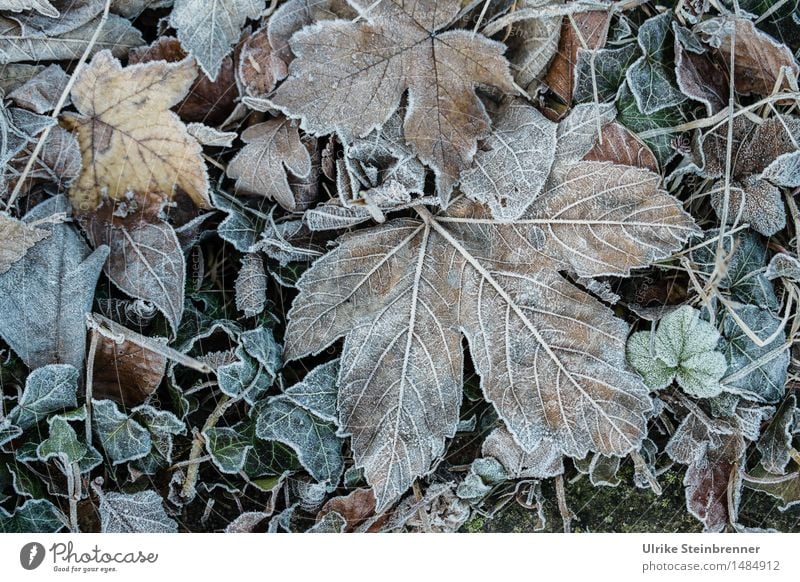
(513, 163)
(44, 320)
(260, 167)
(251, 286)
(41, 93)
(141, 512)
(118, 36)
(206, 101)
(759, 59)
(17, 238)
(41, 6)
(592, 28)
(352, 76)
(146, 260)
(126, 372)
(209, 30)
(543, 462)
(532, 44)
(399, 291)
(698, 74)
(618, 145)
(129, 140)
(259, 67)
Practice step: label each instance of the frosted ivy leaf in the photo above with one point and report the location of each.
(244, 377)
(783, 265)
(8, 432)
(784, 171)
(260, 343)
(634, 119)
(765, 383)
(786, 488)
(651, 78)
(352, 75)
(543, 462)
(122, 438)
(683, 349)
(513, 163)
(163, 426)
(141, 512)
(746, 257)
(313, 439)
(577, 133)
(755, 146)
(44, 320)
(609, 65)
(775, 444)
(63, 444)
(317, 391)
(208, 30)
(550, 357)
(35, 516)
(695, 435)
(47, 389)
(228, 448)
(242, 226)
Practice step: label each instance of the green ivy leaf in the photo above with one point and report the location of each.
(47, 389)
(63, 444)
(766, 383)
(141, 512)
(162, 426)
(228, 448)
(609, 68)
(652, 78)
(122, 438)
(318, 448)
(638, 122)
(34, 516)
(317, 392)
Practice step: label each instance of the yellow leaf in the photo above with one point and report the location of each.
(129, 139)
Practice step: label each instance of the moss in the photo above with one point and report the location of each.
(474, 525)
(628, 509)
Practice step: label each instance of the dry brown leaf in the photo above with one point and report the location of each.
(260, 167)
(41, 93)
(699, 74)
(351, 76)
(758, 57)
(58, 162)
(17, 237)
(146, 259)
(755, 146)
(561, 74)
(355, 508)
(129, 139)
(126, 373)
(207, 101)
(259, 67)
(618, 145)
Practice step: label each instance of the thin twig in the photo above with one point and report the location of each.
(59, 106)
(90, 383)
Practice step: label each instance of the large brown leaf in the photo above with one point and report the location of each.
(551, 357)
(352, 75)
(129, 139)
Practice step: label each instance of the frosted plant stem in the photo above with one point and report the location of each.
(563, 508)
(90, 384)
(59, 106)
(198, 444)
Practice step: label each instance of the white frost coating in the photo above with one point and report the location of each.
(134, 513)
(208, 29)
(511, 168)
(578, 132)
(122, 438)
(683, 348)
(47, 389)
(551, 358)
